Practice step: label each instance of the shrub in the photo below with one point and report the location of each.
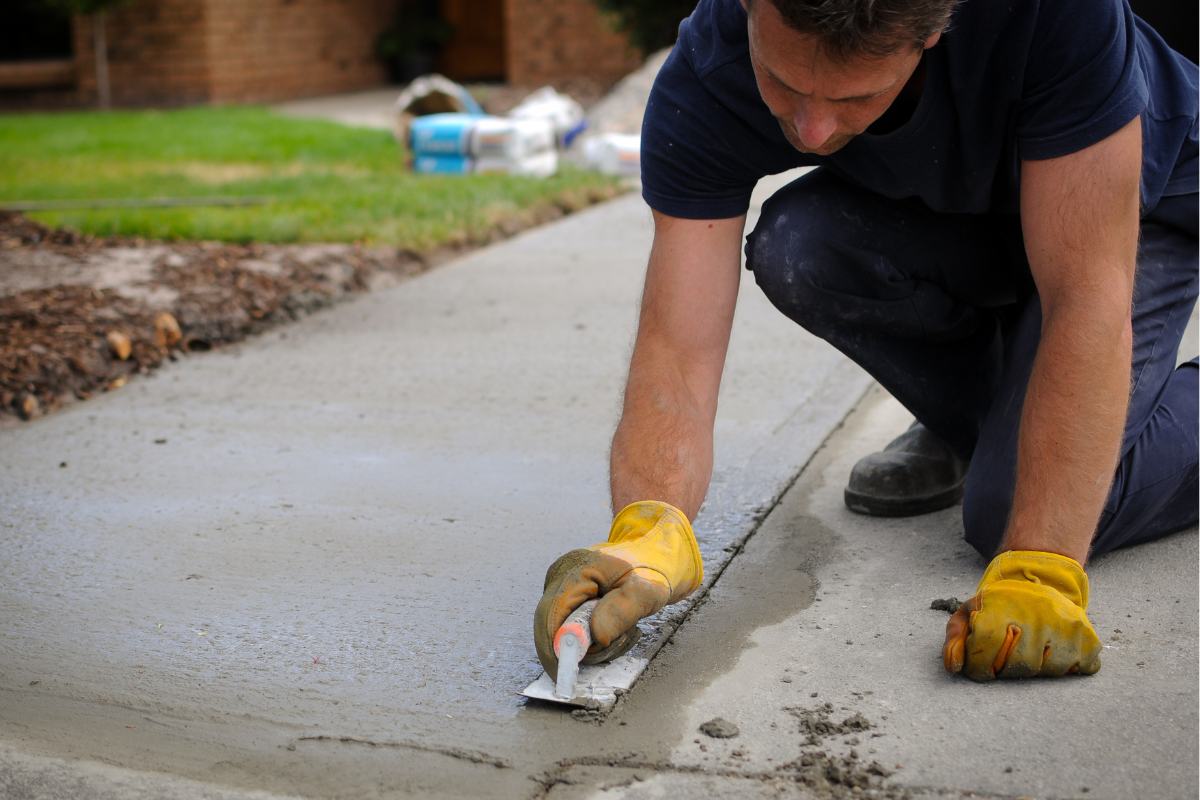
(650, 24)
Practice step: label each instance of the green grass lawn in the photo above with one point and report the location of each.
(326, 182)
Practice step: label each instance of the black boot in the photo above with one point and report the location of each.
(915, 474)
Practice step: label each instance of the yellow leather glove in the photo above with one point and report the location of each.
(650, 559)
(1028, 618)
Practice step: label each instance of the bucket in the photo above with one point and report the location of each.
(442, 134)
(442, 165)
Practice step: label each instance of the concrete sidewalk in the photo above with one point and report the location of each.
(373, 108)
(826, 606)
(306, 566)
(262, 568)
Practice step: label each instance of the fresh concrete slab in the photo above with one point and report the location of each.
(825, 606)
(24, 777)
(308, 564)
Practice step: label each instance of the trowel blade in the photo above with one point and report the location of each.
(543, 689)
(597, 686)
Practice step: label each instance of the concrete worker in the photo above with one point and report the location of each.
(1001, 231)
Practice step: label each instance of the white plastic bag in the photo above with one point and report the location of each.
(614, 154)
(564, 113)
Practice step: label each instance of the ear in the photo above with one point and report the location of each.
(931, 41)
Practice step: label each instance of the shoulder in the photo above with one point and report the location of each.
(982, 30)
(713, 35)
(707, 137)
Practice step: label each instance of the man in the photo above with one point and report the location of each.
(972, 240)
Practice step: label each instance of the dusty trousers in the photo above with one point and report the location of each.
(941, 309)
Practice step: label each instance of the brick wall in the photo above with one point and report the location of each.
(176, 52)
(157, 53)
(279, 49)
(179, 52)
(552, 41)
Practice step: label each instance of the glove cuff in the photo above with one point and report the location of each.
(1061, 573)
(636, 519)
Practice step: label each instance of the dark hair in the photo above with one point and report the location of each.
(867, 27)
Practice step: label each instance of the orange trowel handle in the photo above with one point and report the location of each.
(578, 624)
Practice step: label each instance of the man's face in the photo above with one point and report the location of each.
(821, 103)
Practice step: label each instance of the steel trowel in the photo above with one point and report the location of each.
(591, 686)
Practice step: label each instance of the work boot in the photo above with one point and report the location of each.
(915, 474)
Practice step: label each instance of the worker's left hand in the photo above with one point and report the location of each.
(1028, 618)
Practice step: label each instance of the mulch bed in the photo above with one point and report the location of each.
(68, 341)
(72, 324)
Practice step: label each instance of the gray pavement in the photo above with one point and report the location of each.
(332, 537)
(372, 108)
(826, 606)
(306, 566)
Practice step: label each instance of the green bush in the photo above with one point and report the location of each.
(650, 24)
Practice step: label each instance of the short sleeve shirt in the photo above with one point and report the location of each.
(1023, 79)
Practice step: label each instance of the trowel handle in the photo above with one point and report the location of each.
(579, 625)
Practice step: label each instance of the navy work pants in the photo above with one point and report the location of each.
(941, 310)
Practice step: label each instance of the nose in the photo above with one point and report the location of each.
(814, 125)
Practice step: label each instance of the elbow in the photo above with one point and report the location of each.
(1100, 321)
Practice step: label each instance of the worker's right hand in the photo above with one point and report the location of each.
(650, 559)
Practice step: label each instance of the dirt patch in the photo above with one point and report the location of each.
(70, 303)
(80, 315)
(218, 174)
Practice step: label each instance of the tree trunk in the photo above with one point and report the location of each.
(100, 45)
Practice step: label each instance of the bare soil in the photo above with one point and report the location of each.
(81, 315)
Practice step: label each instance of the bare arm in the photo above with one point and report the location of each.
(663, 447)
(1080, 216)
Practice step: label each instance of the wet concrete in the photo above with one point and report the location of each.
(826, 606)
(819, 606)
(308, 564)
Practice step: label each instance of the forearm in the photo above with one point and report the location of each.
(1071, 429)
(662, 449)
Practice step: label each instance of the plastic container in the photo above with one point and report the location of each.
(614, 154)
(513, 139)
(541, 165)
(430, 94)
(443, 164)
(443, 134)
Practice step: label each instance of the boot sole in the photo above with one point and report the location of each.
(902, 506)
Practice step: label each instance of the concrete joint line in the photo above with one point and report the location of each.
(688, 605)
(559, 776)
(474, 756)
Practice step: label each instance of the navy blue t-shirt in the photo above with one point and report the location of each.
(1024, 79)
